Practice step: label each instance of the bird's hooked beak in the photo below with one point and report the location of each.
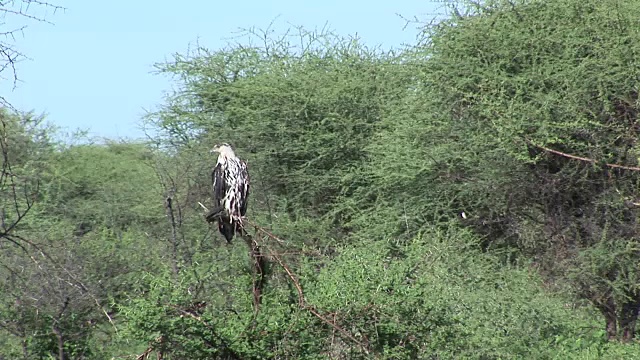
(216, 149)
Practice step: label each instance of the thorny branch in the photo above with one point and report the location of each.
(584, 159)
(259, 261)
(259, 269)
(21, 202)
(302, 304)
(301, 300)
(9, 11)
(174, 234)
(8, 180)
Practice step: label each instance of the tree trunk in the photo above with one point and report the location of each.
(628, 317)
(259, 267)
(607, 307)
(58, 334)
(174, 235)
(612, 329)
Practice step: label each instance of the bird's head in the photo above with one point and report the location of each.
(223, 149)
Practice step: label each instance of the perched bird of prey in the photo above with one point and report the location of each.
(230, 191)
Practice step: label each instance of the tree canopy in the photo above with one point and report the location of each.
(473, 195)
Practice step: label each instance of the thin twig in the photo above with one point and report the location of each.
(204, 207)
(580, 158)
(302, 304)
(301, 300)
(264, 231)
(77, 283)
(174, 232)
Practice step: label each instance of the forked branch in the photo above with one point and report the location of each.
(580, 158)
(302, 303)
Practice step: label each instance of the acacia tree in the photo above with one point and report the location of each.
(14, 129)
(16, 15)
(524, 118)
(85, 243)
(300, 115)
(301, 108)
(22, 144)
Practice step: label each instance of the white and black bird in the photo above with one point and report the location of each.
(230, 180)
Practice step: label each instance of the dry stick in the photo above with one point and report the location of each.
(580, 158)
(259, 268)
(265, 231)
(296, 283)
(301, 301)
(203, 207)
(174, 235)
(78, 284)
(259, 264)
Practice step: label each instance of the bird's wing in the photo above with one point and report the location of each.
(244, 188)
(219, 184)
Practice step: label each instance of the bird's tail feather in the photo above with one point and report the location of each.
(226, 229)
(215, 215)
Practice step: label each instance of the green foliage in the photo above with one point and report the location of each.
(72, 255)
(115, 185)
(513, 119)
(440, 297)
(520, 75)
(362, 163)
(300, 115)
(437, 296)
(25, 148)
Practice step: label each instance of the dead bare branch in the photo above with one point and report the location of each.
(75, 282)
(584, 159)
(21, 203)
(174, 232)
(9, 55)
(302, 303)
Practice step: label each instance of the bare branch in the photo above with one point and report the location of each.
(580, 158)
(20, 9)
(174, 232)
(21, 203)
(75, 281)
(302, 304)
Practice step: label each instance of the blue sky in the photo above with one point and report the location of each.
(93, 68)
